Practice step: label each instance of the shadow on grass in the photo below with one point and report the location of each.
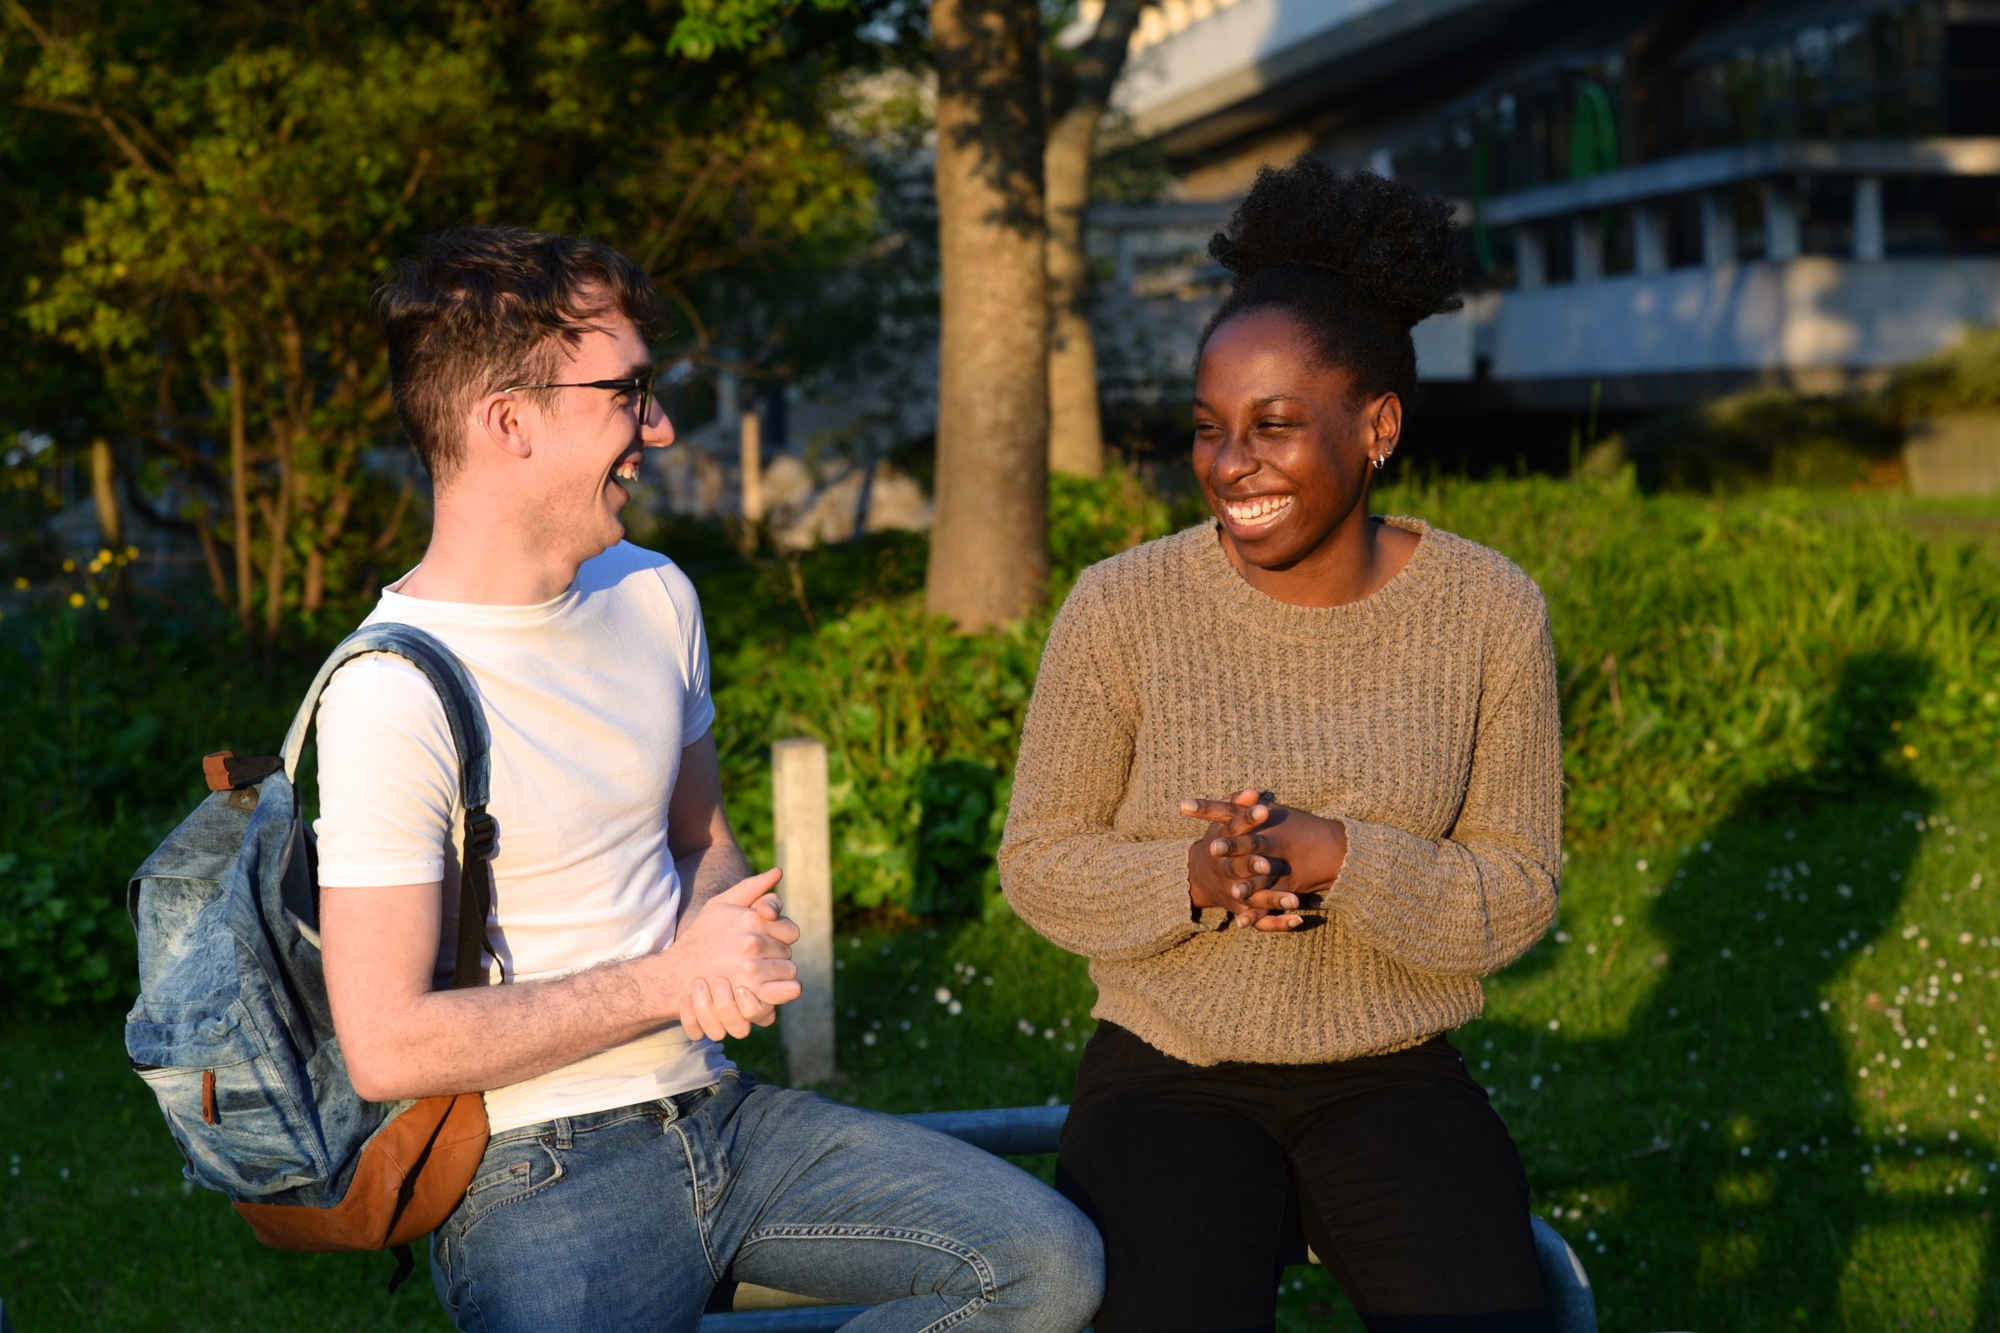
(1730, 1092)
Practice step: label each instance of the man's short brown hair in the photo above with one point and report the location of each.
(479, 308)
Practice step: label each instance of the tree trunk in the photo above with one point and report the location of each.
(1076, 433)
(239, 476)
(314, 595)
(1077, 98)
(110, 525)
(212, 560)
(104, 495)
(277, 523)
(989, 541)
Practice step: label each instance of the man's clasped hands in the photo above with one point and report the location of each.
(743, 940)
(1261, 861)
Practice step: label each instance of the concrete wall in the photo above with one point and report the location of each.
(1816, 324)
(1208, 63)
(1957, 454)
(1643, 342)
(1799, 315)
(1200, 60)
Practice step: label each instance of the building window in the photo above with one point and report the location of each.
(1776, 95)
(1558, 253)
(1849, 110)
(1940, 215)
(1506, 263)
(1683, 217)
(1746, 209)
(1853, 78)
(1489, 259)
(1826, 222)
(1908, 49)
(1615, 225)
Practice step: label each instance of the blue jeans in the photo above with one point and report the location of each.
(627, 1219)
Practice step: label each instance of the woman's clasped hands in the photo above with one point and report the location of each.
(1259, 860)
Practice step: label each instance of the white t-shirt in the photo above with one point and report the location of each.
(589, 698)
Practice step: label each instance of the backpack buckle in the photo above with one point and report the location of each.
(482, 832)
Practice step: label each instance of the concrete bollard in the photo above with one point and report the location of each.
(799, 813)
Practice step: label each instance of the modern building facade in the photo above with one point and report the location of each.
(1661, 200)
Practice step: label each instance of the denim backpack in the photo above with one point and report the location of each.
(232, 1030)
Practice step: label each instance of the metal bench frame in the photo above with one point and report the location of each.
(1025, 1130)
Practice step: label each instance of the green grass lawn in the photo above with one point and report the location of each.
(1751, 1071)
(1752, 1078)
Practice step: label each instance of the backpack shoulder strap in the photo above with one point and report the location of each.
(446, 675)
(459, 695)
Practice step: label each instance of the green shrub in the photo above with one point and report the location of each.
(1777, 437)
(1702, 643)
(1963, 378)
(920, 723)
(1091, 518)
(1767, 437)
(895, 697)
(105, 737)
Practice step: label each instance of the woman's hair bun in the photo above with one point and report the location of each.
(1386, 242)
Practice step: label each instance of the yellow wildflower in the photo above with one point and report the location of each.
(76, 599)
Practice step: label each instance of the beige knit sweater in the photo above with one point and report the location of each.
(1422, 716)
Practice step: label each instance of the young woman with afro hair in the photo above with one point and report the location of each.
(1291, 781)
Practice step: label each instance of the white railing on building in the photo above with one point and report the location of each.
(1773, 168)
(1805, 316)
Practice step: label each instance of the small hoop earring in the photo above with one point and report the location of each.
(1380, 459)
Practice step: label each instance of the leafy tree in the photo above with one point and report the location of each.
(707, 26)
(52, 395)
(253, 172)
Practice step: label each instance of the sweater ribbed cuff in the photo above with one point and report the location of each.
(1125, 900)
(1165, 916)
(1375, 857)
(1158, 915)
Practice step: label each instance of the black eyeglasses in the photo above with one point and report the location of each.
(640, 385)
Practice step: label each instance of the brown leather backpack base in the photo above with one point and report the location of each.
(409, 1178)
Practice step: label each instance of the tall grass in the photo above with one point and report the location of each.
(1752, 1070)
(1701, 641)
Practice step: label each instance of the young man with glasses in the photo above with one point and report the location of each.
(631, 1169)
